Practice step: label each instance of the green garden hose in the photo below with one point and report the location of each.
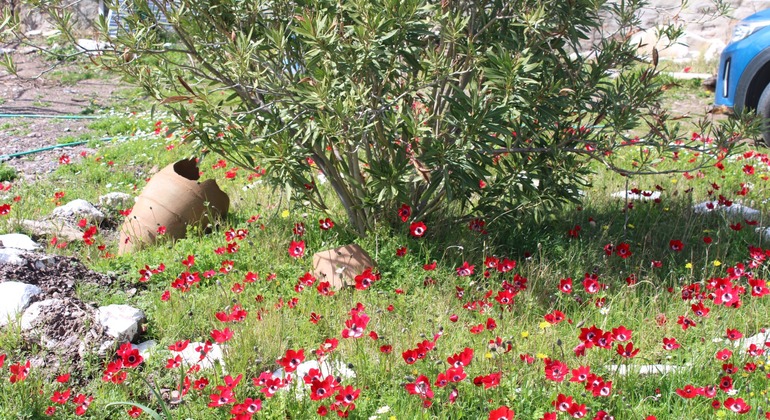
(55, 146)
(52, 116)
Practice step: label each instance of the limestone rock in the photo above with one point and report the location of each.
(46, 227)
(31, 316)
(658, 369)
(14, 298)
(18, 241)
(735, 210)
(116, 200)
(191, 356)
(642, 196)
(121, 322)
(78, 209)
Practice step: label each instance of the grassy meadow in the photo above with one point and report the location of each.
(556, 320)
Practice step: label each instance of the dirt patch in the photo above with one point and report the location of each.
(47, 89)
(56, 275)
(57, 322)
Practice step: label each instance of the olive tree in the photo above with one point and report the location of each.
(492, 108)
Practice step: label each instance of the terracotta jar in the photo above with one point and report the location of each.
(173, 199)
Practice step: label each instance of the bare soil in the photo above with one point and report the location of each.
(39, 90)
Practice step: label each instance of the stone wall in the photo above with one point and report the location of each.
(704, 34)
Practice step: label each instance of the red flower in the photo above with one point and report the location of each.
(737, 405)
(733, 334)
(134, 412)
(565, 285)
(628, 351)
(676, 245)
(347, 395)
(623, 250)
(292, 359)
(61, 397)
(724, 354)
(502, 413)
(321, 389)
(555, 370)
(366, 279)
(222, 336)
(401, 251)
(83, 402)
(404, 212)
(326, 224)
(5, 209)
(687, 392)
(670, 343)
(465, 269)
(685, 322)
(562, 402)
(297, 249)
(417, 229)
(19, 372)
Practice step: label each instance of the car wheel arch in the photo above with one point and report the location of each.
(753, 80)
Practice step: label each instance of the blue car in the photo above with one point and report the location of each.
(743, 82)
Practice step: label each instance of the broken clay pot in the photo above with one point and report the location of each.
(340, 266)
(172, 199)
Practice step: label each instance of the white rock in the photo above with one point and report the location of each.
(735, 210)
(146, 348)
(337, 368)
(92, 47)
(644, 196)
(30, 316)
(644, 369)
(14, 298)
(45, 261)
(18, 241)
(116, 200)
(79, 209)
(12, 256)
(764, 232)
(191, 357)
(47, 227)
(759, 339)
(120, 321)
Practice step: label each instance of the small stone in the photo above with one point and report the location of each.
(644, 369)
(146, 348)
(120, 321)
(116, 200)
(46, 227)
(79, 209)
(18, 241)
(12, 256)
(29, 318)
(192, 357)
(642, 196)
(14, 298)
(735, 210)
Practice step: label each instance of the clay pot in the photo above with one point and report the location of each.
(340, 266)
(173, 199)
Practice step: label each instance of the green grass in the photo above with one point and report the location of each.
(410, 305)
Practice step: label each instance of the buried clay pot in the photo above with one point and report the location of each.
(172, 199)
(340, 266)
